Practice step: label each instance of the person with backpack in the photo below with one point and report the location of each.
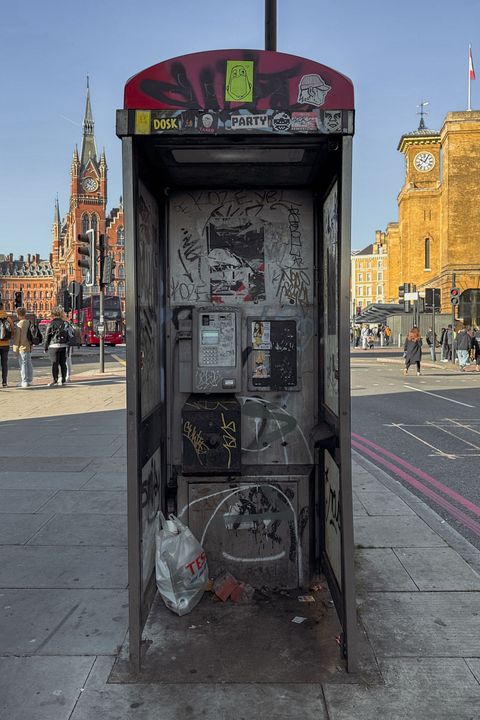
(23, 347)
(75, 340)
(57, 340)
(6, 332)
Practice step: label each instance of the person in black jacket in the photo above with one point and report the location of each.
(464, 344)
(56, 343)
(413, 350)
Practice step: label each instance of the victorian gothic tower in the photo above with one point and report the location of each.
(87, 207)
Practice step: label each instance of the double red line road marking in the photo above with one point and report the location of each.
(406, 472)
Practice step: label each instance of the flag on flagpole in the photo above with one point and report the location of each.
(471, 69)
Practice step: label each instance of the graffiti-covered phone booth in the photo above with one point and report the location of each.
(237, 193)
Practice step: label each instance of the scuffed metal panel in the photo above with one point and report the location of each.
(258, 528)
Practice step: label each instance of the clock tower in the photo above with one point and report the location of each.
(88, 200)
(418, 253)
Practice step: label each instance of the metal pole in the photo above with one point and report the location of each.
(102, 334)
(454, 277)
(434, 357)
(270, 24)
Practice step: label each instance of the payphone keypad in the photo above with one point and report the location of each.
(217, 339)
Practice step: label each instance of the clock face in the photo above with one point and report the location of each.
(424, 161)
(89, 184)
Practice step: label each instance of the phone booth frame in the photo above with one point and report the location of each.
(182, 119)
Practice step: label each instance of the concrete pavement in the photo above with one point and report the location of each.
(63, 586)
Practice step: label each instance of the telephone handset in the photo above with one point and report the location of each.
(216, 350)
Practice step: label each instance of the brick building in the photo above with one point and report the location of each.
(31, 276)
(369, 267)
(42, 281)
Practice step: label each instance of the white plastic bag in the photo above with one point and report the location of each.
(181, 567)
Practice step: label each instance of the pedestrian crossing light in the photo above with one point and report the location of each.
(454, 295)
(88, 262)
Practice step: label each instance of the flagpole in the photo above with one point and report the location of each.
(469, 107)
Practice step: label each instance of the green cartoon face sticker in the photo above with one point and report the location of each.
(239, 81)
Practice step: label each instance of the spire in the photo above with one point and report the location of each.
(422, 112)
(56, 213)
(88, 142)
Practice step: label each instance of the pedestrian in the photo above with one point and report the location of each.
(388, 333)
(447, 344)
(364, 335)
(413, 350)
(76, 341)
(431, 339)
(23, 347)
(476, 347)
(7, 330)
(464, 344)
(57, 340)
(357, 336)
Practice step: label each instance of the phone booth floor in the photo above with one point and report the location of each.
(273, 639)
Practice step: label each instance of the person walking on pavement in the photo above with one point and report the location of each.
(388, 333)
(431, 339)
(476, 348)
(7, 330)
(447, 344)
(76, 341)
(57, 340)
(23, 347)
(464, 343)
(413, 350)
(364, 335)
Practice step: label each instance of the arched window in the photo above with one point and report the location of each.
(121, 271)
(427, 253)
(94, 222)
(85, 223)
(120, 236)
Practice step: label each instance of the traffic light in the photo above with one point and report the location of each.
(67, 301)
(454, 295)
(89, 263)
(107, 271)
(401, 293)
(19, 298)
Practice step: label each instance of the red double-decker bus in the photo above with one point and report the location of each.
(91, 317)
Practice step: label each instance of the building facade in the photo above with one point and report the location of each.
(369, 273)
(87, 210)
(435, 244)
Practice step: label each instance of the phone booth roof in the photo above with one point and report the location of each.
(237, 116)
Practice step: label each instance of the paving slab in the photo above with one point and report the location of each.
(107, 481)
(415, 689)
(392, 531)
(358, 508)
(474, 665)
(438, 569)
(62, 622)
(82, 529)
(365, 482)
(68, 464)
(88, 501)
(24, 501)
(41, 688)
(422, 624)
(383, 503)
(239, 701)
(18, 528)
(43, 480)
(27, 566)
(379, 569)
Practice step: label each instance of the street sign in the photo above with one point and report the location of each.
(100, 330)
(411, 296)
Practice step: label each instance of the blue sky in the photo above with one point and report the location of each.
(397, 55)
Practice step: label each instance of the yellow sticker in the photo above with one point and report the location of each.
(142, 122)
(239, 81)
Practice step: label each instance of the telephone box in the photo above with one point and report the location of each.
(237, 195)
